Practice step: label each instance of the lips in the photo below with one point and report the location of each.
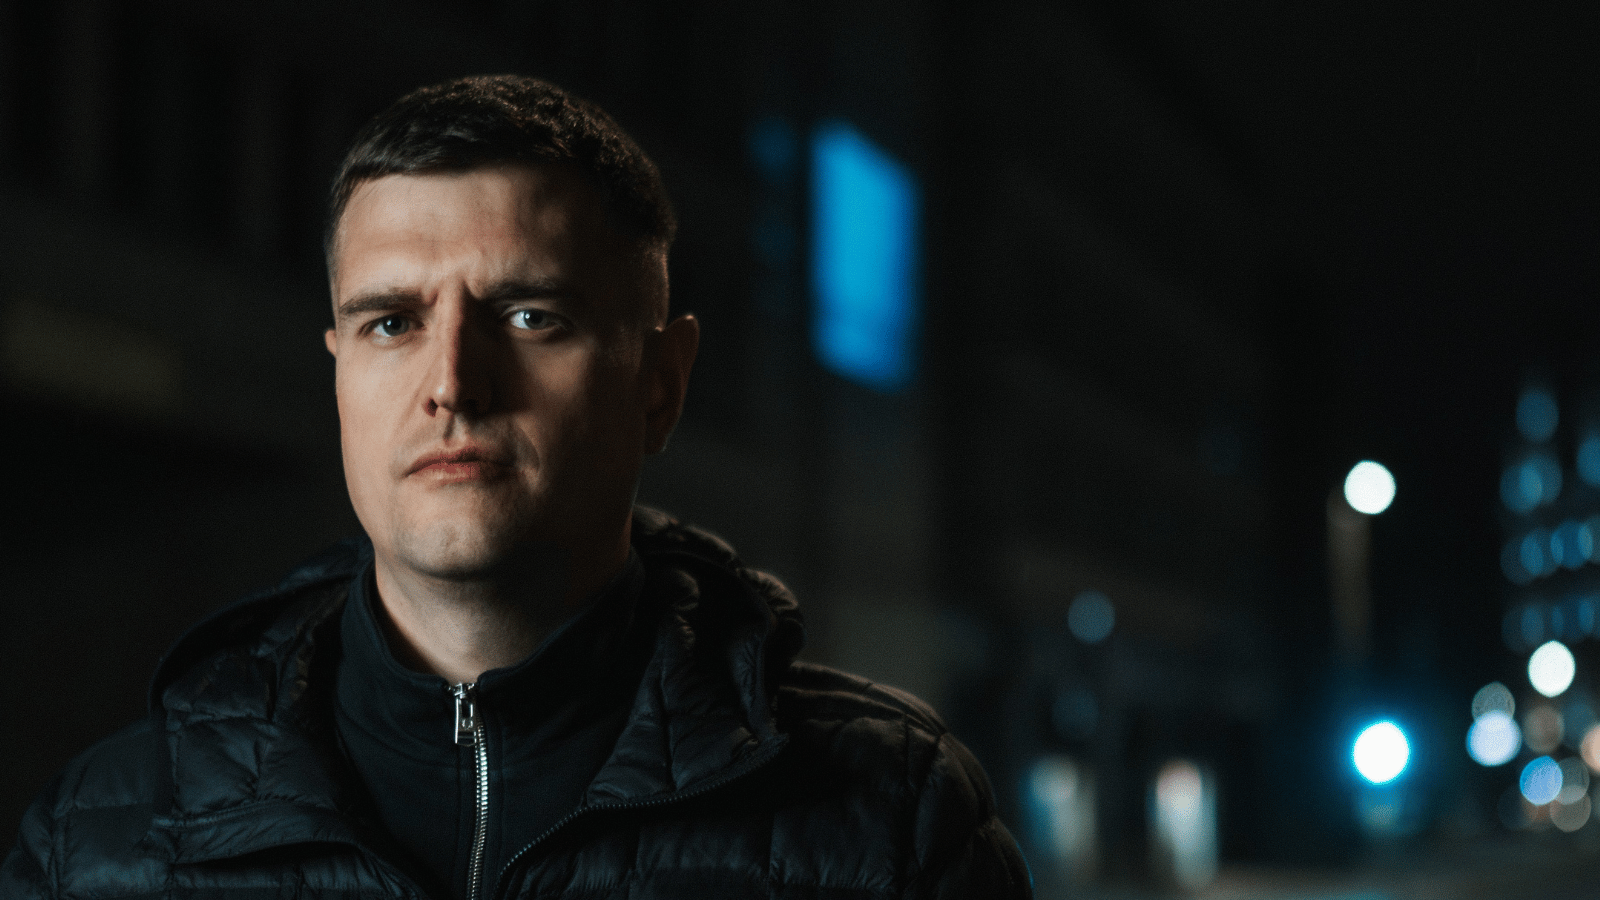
(466, 463)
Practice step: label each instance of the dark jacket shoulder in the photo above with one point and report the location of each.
(892, 744)
(861, 788)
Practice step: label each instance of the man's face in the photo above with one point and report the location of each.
(499, 377)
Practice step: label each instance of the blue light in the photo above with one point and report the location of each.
(1520, 488)
(1586, 613)
(1541, 781)
(1091, 617)
(1589, 458)
(1511, 563)
(1530, 483)
(1494, 738)
(1572, 543)
(1381, 752)
(864, 258)
(1534, 545)
(1533, 629)
(1537, 415)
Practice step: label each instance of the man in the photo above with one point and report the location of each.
(517, 685)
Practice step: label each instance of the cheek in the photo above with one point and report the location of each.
(360, 427)
(593, 407)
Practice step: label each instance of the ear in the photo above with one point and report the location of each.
(668, 357)
(330, 339)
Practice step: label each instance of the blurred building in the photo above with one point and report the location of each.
(1536, 730)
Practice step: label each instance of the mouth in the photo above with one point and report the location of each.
(466, 464)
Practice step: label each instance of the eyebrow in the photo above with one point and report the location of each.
(387, 299)
(377, 301)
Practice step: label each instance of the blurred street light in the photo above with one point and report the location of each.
(1369, 488)
(1381, 752)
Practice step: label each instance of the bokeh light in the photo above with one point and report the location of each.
(1589, 458)
(1369, 488)
(1543, 728)
(1537, 414)
(1571, 816)
(1494, 739)
(1185, 822)
(1381, 752)
(1571, 544)
(1541, 781)
(1590, 748)
(864, 258)
(1493, 697)
(1586, 607)
(1091, 617)
(1511, 563)
(1530, 482)
(1574, 780)
(1534, 553)
(1060, 797)
(1551, 668)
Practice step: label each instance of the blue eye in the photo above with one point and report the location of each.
(391, 326)
(532, 319)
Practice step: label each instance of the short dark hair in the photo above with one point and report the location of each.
(484, 120)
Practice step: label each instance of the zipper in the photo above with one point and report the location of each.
(718, 784)
(469, 733)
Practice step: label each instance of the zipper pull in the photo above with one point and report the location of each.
(466, 714)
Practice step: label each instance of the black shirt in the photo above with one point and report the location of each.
(549, 723)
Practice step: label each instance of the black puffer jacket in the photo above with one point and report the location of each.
(739, 774)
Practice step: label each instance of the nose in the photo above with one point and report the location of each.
(460, 381)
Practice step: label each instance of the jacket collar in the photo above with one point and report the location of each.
(584, 663)
(243, 701)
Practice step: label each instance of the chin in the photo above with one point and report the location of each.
(457, 551)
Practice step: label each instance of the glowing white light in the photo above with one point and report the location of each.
(1061, 806)
(1493, 697)
(1381, 752)
(1185, 823)
(1494, 739)
(1541, 781)
(1551, 668)
(1369, 488)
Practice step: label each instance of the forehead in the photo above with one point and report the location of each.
(487, 222)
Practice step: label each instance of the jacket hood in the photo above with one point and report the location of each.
(241, 705)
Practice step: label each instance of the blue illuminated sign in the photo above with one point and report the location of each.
(864, 259)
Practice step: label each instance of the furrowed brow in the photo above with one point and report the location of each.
(527, 289)
(378, 301)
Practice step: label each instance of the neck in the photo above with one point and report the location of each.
(460, 628)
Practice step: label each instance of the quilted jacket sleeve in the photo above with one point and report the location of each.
(25, 875)
(963, 849)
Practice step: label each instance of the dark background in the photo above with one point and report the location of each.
(1183, 265)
